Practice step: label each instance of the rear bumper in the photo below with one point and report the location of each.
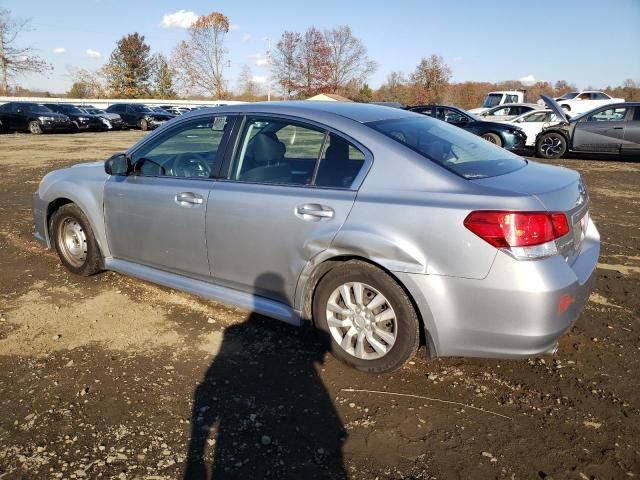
(520, 309)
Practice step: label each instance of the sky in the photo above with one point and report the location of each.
(586, 42)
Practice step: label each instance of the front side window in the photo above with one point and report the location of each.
(609, 115)
(190, 151)
(535, 117)
(451, 116)
(450, 147)
(500, 111)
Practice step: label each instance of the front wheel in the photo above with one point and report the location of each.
(74, 241)
(493, 138)
(35, 127)
(551, 145)
(368, 317)
(144, 125)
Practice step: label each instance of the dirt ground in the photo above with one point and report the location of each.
(111, 377)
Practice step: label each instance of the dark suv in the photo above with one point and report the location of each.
(502, 134)
(136, 115)
(80, 120)
(32, 117)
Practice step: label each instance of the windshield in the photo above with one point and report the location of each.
(569, 96)
(72, 109)
(450, 147)
(141, 108)
(492, 100)
(37, 108)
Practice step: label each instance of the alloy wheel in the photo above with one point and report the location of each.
(551, 145)
(361, 320)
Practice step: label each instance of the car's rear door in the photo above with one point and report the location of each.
(290, 187)
(156, 215)
(601, 131)
(631, 143)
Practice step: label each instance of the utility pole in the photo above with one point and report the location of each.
(269, 69)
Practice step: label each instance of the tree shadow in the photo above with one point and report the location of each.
(261, 410)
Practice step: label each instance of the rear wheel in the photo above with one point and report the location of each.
(551, 145)
(35, 128)
(74, 240)
(493, 138)
(368, 317)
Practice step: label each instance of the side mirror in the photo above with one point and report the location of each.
(119, 164)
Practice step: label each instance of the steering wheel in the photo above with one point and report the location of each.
(190, 165)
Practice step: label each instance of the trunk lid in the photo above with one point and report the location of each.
(558, 189)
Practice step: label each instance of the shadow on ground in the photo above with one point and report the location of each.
(262, 411)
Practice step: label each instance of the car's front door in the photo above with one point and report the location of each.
(289, 188)
(601, 131)
(156, 215)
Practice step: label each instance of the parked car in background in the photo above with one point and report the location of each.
(140, 116)
(493, 99)
(504, 135)
(533, 122)
(508, 111)
(32, 117)
(113, 121)
(613, 129)
(156, 109)
(585, 100)
(398, 227)
(80, 121)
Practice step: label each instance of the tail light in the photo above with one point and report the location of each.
(524, 234)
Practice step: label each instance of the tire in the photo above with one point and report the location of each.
(35, 128)
(144, 125)
(74, 241)
(75, 128)
(551, 145)
(396, 335)
(493, 138)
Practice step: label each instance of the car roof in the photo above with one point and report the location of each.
(535, 105)
(359, 112)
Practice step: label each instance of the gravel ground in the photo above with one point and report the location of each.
(111, 377)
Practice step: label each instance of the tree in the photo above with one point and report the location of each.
(247, 85)
(313, 66)
(199, 61)
(162, 78)
(395, 89)
(129, 68)
(430, 80)
(285, 62)
(16, 60)
(348, 58)
(365, 94)
(561, 87)
(87, 84)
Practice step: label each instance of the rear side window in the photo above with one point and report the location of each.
(284, 152)
(450, 147)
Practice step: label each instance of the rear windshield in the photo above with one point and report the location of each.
(450, 147)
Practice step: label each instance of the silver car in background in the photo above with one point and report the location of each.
(380, 226)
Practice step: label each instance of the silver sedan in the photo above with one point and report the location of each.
(381, 226)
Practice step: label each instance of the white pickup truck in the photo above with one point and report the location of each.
(585, 100)
(494, 99)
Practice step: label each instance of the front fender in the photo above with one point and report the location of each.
(83, 187)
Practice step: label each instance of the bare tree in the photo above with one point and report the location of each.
(348, 58)
(199, 62)
(16, 60)
(313, 67)
(87, 84)
(430, 80)
(247, 86)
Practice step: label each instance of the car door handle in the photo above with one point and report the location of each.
(188, 199)
(315, 211)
